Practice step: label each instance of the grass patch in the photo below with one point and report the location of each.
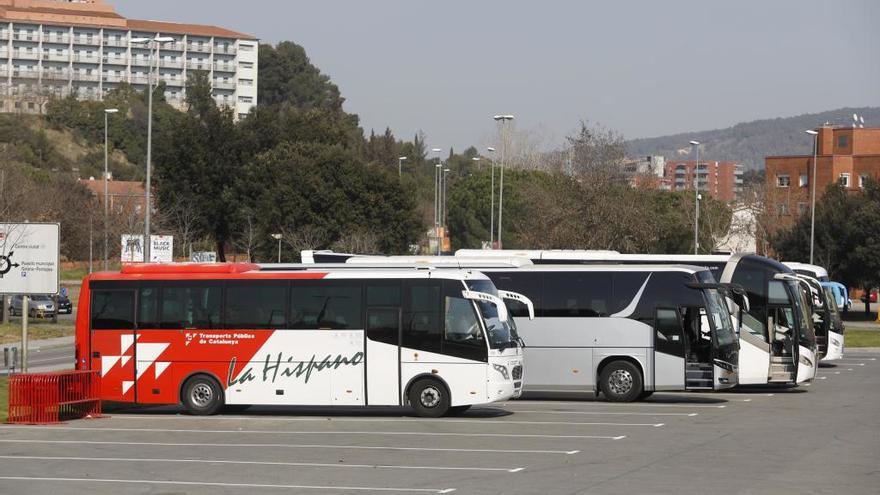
(11, 333)
(75, 273)
(4, 398)
(861, 338)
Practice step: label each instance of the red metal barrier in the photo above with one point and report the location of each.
(47, 398)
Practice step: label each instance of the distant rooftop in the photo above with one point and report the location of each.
(99, 14)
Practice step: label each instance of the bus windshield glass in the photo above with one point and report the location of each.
(502, 334)
(806, 333)
(724, 332)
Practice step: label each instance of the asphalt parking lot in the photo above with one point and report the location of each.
(821, 438)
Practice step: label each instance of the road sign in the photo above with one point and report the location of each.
(203, 257)
(161, 250)
(29, 258)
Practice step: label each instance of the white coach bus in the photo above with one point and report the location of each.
(829, 324)
(776, 334)
(238, 334)
(626, 331)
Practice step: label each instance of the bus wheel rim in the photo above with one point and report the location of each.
(202, 395)
(620, 381)
(429, 397)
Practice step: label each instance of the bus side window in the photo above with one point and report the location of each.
(383, 312)
(421, 317)
(192, 306)
(326, 307)
(112, 309)
(255, 304)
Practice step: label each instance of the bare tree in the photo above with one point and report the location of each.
(246, 240)
(307, 237)
(358, 242)
(182, 217)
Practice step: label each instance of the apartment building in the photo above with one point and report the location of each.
(720, 180)
(845, 155)
(84, 48)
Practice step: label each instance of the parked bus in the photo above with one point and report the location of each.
(776, 334)
(626, 331)
(827, 320)
(215, 335)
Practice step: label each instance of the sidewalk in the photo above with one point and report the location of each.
(37, 345)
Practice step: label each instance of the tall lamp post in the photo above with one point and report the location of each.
(696, 144)
(400, 161)
(492, 200)
(437, 173)
(445, 215)
(502, 119)
(278, 238)
(815, 135)
(107, 112)
(153, 44)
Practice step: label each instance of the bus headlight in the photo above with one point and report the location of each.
(503, 370)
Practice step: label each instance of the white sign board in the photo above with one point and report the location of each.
(161, 248)
(29, 258)
(203, 257)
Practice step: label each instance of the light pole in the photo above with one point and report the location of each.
(400, 161)
(278, 238)
(815, 135)
(151, 42)
(503, 119)
(445, 182)
(107, 112)
(437, 197)
(492, 200)
(696, 144)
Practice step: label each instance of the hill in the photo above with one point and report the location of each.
(749, 142)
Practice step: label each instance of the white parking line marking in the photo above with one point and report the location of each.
(856, 359)
(285, 432)
(821, 377)
(326, 419)
(259, 463)
(597, 413)
(845, 363)
(611, 404)
(233, 485)
(291, 446)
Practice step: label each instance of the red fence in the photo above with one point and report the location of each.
(46, 398)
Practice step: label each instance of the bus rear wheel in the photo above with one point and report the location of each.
(621, 381)
(429, 398)
(202, 396)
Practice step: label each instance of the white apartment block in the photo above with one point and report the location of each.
(58, 48)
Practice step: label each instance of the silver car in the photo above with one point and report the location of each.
(38, 306)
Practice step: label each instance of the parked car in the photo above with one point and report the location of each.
(64, 305)
(38, 306)
(873, 297)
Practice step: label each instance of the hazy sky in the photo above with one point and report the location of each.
(643, 68)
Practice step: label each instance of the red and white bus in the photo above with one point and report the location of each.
(211, 335)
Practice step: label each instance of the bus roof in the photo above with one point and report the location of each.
(611, 267)
(446, 261)
(818, 271)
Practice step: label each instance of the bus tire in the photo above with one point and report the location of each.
(202, 396)
(644, 395)
(621, 381)
(429, 398)
(457, 410)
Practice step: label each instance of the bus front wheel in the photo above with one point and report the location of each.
(202, 396)
(621, 381)
(429, 398)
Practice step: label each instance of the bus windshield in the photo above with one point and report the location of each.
(502, 334)
(724, 332)
(806, 333)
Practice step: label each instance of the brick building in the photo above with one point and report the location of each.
(845, 155)
(721, 180)
(126, 197)
(56, 48)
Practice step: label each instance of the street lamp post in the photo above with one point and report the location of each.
(400, 161)
(445, 182)
(437, 178)
(492, 200)
(815, 135)
(278, 238)
(153, 43)
(696, 144)
(107, 113)
(503, 119)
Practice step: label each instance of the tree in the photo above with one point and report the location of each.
(287, 76)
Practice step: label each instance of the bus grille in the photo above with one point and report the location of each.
(517, 372)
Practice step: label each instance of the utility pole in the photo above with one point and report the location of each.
(503, 119)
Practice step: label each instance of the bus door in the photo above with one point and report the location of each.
(699, 358)
(383, 318)
(112, 340)
(669, 349)
(782, 332)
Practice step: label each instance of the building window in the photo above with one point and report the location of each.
(844, 179)
(802, 182)
(246, 65)
(802, 208)
(841, 141)
(246, 48)
(783, 180)
(246, 99)
(246, 82)
(782, 209)
(863, 178)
